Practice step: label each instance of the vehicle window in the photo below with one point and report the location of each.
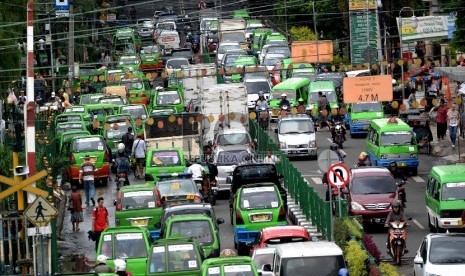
(214, 271)
(117, 101)
(367, 107)
(98, 113)
(88, 144)
(271, 61)
(276, 95)
(138, 200)
(373, 185)
(259, 198)
(330, 96)
(190, 211)
(128, 60)
(165, 159)
(233, 36)
(182, 257)
(130, 245)
(233, 270)
(226, 139)
(423, 250)
(447, 251)
(67, 136)
(453, 191)
(430, 186)
(150, 49)
(301, 266)
(280, 50)
(228, 158)
(254, 87)
(158, 259)
(176, 63)
(296, 127)
(277, 264)
(275, 242)
(177, 187)
(370, 135)
(225, 48)
(168, 98)
(230, 59)
(136, 111)
(390, 138)
(199, 230)
(436, 190)
(118, 132)
(132, 85)
(69, 118)
(263, 259)
(107, 246)
(62, 128)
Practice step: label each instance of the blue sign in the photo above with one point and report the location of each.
(451, 25)
(62, 4)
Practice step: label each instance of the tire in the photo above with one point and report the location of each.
(415, 171)
(431, 227)
(398, 258)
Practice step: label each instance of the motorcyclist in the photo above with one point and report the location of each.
(301, 105)
(122, 163)
(284, 101)
(337, 128)
(396, 172)
(335, 148)
(120, 267)
(397, 215)
(102, 266)
(261, 102)
(212, 170)
(196, 170)
(362, 160)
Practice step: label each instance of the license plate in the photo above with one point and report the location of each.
(122, 179)
(401, 164)
(258, 218)
(139, 222)
(378, 220)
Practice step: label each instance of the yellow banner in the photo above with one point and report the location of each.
(361, 5)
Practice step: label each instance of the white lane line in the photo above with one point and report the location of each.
(311, 175)
(343, 152)
(329, 139)
(317, 180)
(418, 179)
(418, 224)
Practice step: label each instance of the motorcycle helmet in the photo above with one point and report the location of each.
(283, 95)
(261, 94)
(338, 127)
(300, 100)
(362, 157)
(102, 259)
(343, 272)
(121, 147)
(394, 82)
(333, 147)
(395, 204)
(120, 265)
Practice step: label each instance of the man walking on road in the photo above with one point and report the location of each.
(128, 141)
(99, 220)
(138, 151)
(86, 174)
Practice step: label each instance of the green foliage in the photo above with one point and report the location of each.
(354, 229)
(388, 269)
(356, 258)
(6, 161)
(341, 233)
(301, 33)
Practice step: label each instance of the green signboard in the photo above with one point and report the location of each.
(362, 35)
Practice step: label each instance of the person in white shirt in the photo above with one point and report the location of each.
(270, 158)
(196, 170)
(139, 150)
(453, 118)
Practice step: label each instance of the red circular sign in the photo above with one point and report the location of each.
(338, 175)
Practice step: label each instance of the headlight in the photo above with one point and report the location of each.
(356, 206)
(282, 145)
(354, 121)
(383, 156)
(312, 144)
(413, 155)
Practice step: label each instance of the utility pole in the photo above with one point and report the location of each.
(285, 17)
(71, 50)
(316, 35)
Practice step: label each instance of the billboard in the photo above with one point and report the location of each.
(306, 51)
(429, 27)
(356, 5)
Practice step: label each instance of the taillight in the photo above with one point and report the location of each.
(72, 159)
(251, 145)
(214, 183)
(158, 198)
(239, 219)
(282, 214)
(118, 207)
(106, 157)
(122, 175)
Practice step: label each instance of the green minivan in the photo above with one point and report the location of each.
(445, 197)
(164, 161)
(73, 117)
(170, 98)
(391, 140)
(327, 88)
(138, 113)
(114, 127)
(226, 266)
(65, 137)
(294, 88)
(359, 115)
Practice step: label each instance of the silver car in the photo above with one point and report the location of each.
(226, 161)
(145, 27)
(296, 136)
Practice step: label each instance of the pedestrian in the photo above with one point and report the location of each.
(322, 106)
(453, 118)
(99, 220)
(128, 141)
(86, 175)
(139, 150)
(75, 206)
(441, 119)
(270, 158)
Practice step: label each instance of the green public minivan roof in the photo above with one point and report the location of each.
(387, 126)
(321, 85)
(292, 83)
(449, 173)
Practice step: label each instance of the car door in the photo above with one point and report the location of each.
(423, 253)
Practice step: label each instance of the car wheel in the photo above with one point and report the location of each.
(414, 171)
(430, 225)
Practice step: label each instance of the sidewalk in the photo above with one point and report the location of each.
(444, 148)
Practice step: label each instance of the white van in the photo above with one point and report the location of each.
(168, 40)
(301, 258)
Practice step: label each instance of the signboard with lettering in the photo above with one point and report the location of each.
(367, 89)
(355, 5)
(429, 27)
(360, 34)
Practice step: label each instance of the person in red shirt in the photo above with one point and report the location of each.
(99, 220)
(441, 119)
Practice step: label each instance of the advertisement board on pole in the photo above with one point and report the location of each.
(355, 5)
(429, 27)
(368, 89)
(359, 37)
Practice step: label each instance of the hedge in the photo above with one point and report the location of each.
(388, 269)
(356, 258)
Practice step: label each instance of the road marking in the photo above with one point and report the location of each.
(329, 140)
(343, 153)
(418, 179)
(311, 175)
(418, 224)
(317, 180)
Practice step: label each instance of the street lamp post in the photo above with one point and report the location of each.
(414, 24)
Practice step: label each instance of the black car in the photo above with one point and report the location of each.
(257, 173)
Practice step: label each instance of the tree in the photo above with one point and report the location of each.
(301, 33)
(458, 40)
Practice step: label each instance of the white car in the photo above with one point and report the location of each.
(145, 27)
(440, 254)
(226, 47)
(263, 256)
(296, 136)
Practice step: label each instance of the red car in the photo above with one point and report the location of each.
(272, 236)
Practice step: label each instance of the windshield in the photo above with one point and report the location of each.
(277, 42)
(68, 118)
(259, 198)
(263, 259)
(165, 26)
(308, 75)
(230, 59)
(254, 87)
(276, 94)
(165, 159)
(128, 60)
(390, 138)
(373, 185)
(138, 200)
(296, 127)
(199, 230)
(279, 50)
(330, 96)
(228, 158)
(68, 136)
(130, 245)
(447, 250)
(229, 47)
(367, 107)
(181, 257)
(336, 79)
(136, 111)
(271, 61)
(150, 49)
(236, 36)
(177, 187)
(117, 101)
(168, 98)
(227, 139)
(131, 85)
(88, 144)
(274, 242)
(74, 109)
(453, 191)
(124, 46)
(302, 265)
(233, 270)
(98, 113)
(62, 128)
(176, 63)
(117, 133)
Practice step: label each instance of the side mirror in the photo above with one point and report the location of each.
(157, 225)
(267, 267)
(418, 261)
(255, 140)
(219, 220)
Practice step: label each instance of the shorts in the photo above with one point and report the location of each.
(140, 162)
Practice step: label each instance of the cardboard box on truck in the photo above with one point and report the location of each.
(306, 51)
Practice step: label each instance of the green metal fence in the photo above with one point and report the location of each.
(315, 209)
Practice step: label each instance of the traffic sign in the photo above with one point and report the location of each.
(338, 175)
(40, 212)
(326, 159)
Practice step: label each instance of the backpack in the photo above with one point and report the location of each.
(123, 164)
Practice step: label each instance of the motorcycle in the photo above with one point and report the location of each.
(339, 136)
(263, 121)
(402, 196)
(397, 236)
(121, 180)
(206, 189)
